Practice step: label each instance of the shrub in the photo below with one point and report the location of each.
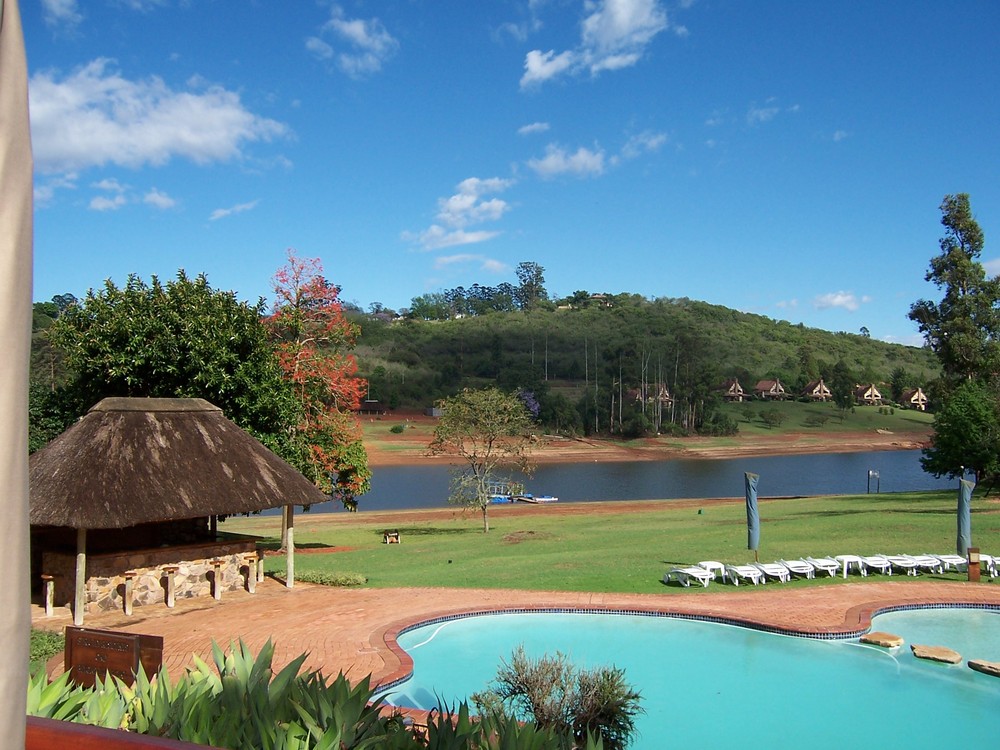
(397, 429)
(553, 694)
(44, 645)
(325, 577)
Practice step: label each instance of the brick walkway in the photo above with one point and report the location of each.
(347, 629)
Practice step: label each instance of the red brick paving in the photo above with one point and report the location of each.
(347, 629)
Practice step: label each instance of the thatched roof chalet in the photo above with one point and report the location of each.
(132, 461)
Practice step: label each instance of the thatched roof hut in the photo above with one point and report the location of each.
(131, 461)
(155, 466)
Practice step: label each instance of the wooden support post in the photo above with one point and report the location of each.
(129, 578)
(251, 561)
(260, 568)
(49, 587)
(217, 579)
(168, 572)
(80, 591)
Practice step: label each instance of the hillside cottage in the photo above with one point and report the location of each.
(770, 390)
(914, 398)
(868, 394)
(817, 391)
(732, 390)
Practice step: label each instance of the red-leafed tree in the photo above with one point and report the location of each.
(313, 341)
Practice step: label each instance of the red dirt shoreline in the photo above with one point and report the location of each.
(407, 450)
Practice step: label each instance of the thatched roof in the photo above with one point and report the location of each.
(141, 460)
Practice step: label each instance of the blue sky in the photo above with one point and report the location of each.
(779, 157)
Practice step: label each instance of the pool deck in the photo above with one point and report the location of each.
(351, 630)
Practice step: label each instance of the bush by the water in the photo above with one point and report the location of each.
(551, 692)
(397, 429)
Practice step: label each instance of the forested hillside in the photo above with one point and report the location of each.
(599, 364)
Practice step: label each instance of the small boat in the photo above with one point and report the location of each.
(536, 499)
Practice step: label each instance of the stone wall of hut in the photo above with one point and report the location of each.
(195, 563)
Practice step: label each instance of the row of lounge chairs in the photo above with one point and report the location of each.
(809, 567)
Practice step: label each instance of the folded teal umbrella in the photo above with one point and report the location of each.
(965, 488)
(753, 517)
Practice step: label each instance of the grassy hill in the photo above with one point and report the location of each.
(558, 354)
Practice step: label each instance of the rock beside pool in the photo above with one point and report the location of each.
(936, 653)
(986, 667)
(886, 640)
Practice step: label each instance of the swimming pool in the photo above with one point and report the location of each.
(711, 685)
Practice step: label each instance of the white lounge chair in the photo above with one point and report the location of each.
(879, 562)
(714, 567)
(950, 562)
(774, 570)
(735, 573)
(988, 564)
(904, 563)
(927, 562)
(800, 567)
(684, 575)
(826, 564)
(859, 564)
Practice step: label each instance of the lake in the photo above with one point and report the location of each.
(407, 487)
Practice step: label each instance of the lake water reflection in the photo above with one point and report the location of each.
(404, 487)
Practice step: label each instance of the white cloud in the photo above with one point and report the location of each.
(484, 263)
(104, 203)
(436, 237)
(535, 127)
(45, 191)
(465, 208)
(158, 199)
(61, 13)
(757, 115)
(789, 304)
(614, 35)
(583, 163)
(992, 267)
(319, 48)
(844, 300)
(94, 116)
(642, 143)
(541, 66)
(221, 213)
(110, 184)
(366, 43)
(839, 135)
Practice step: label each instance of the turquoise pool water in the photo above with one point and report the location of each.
(709, 685)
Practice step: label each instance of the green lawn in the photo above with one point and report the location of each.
(823, 418)
(626, 552)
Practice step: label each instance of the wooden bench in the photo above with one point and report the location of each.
(390, 536)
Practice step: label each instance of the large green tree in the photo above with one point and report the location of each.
(963, 329)
(966, 434)
(178, 339)
(489, 430)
